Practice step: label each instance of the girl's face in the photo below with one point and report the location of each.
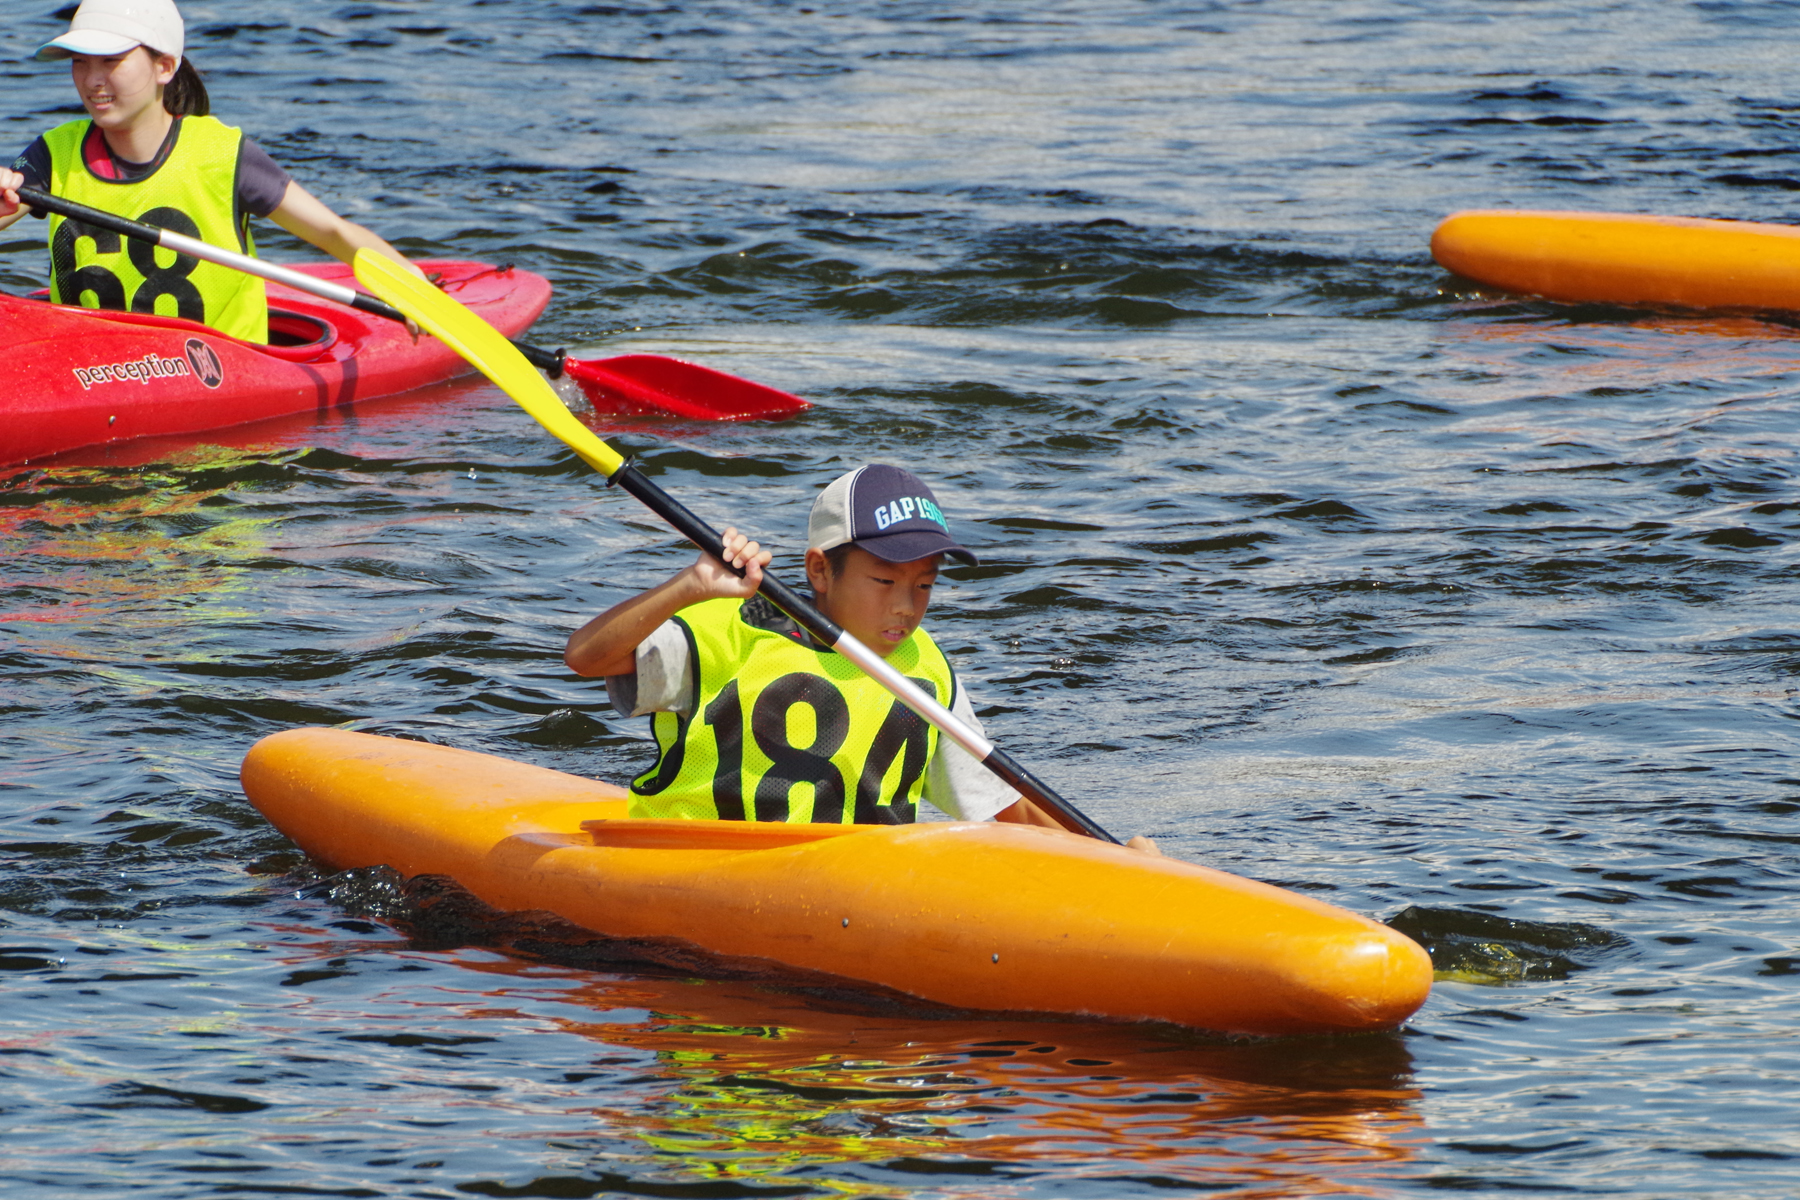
(119, 89)
(879, 603)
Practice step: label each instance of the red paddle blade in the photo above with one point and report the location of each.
(652, 383)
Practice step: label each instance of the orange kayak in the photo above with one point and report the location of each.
(1618, 258)
(975, 916)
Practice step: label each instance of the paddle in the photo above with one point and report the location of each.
(643, 380)
(489, 352)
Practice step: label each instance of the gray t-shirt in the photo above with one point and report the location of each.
(955, 783)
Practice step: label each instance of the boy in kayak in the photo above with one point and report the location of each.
(755, 721)
(149, 150)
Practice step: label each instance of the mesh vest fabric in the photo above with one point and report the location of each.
(786, 732)
(193, 192)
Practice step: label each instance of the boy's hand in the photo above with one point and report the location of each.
(607, 645)
(740, 552)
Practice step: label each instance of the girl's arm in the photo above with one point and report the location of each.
(304, 216)
(607, 645)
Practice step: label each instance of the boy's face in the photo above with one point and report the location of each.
(879, 603)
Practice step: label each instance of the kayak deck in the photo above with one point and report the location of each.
(974, 916)
(84, 377)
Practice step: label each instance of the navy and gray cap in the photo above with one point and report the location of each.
(886, 511)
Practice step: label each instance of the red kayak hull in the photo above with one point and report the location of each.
(78, 377)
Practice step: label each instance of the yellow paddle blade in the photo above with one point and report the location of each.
(487, 350)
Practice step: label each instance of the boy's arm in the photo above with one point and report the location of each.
(965, 789)
(1024, 812)
(607, 645)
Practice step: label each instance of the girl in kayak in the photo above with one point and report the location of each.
(149, 150)
(756, 722)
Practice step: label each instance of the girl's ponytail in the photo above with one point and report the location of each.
(185, 95)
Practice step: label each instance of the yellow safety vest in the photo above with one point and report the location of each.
(193, 192)
(786, 732)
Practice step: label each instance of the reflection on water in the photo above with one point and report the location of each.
(120, 554)
(1575, 349)
(745, 1082)
(767, 1085)
(761, 1083)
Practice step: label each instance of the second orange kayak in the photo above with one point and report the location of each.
(970, 915)
(1620, 258)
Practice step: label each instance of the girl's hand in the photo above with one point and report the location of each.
(717, 582)
(10, 182)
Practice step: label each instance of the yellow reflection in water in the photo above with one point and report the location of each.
(776, 1084)
(152, 542)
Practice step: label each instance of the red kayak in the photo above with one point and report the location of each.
(82, 377)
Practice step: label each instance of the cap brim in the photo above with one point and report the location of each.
(86, 41)
(908, 547)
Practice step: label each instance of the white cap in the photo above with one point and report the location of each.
(107, 27)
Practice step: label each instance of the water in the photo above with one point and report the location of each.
(1467, 613)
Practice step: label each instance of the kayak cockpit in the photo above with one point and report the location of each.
(298, 337)
(294, 336)
(641, 834)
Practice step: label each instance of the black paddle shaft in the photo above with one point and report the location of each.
(627, 477)
(548, 361)
(825, 630)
